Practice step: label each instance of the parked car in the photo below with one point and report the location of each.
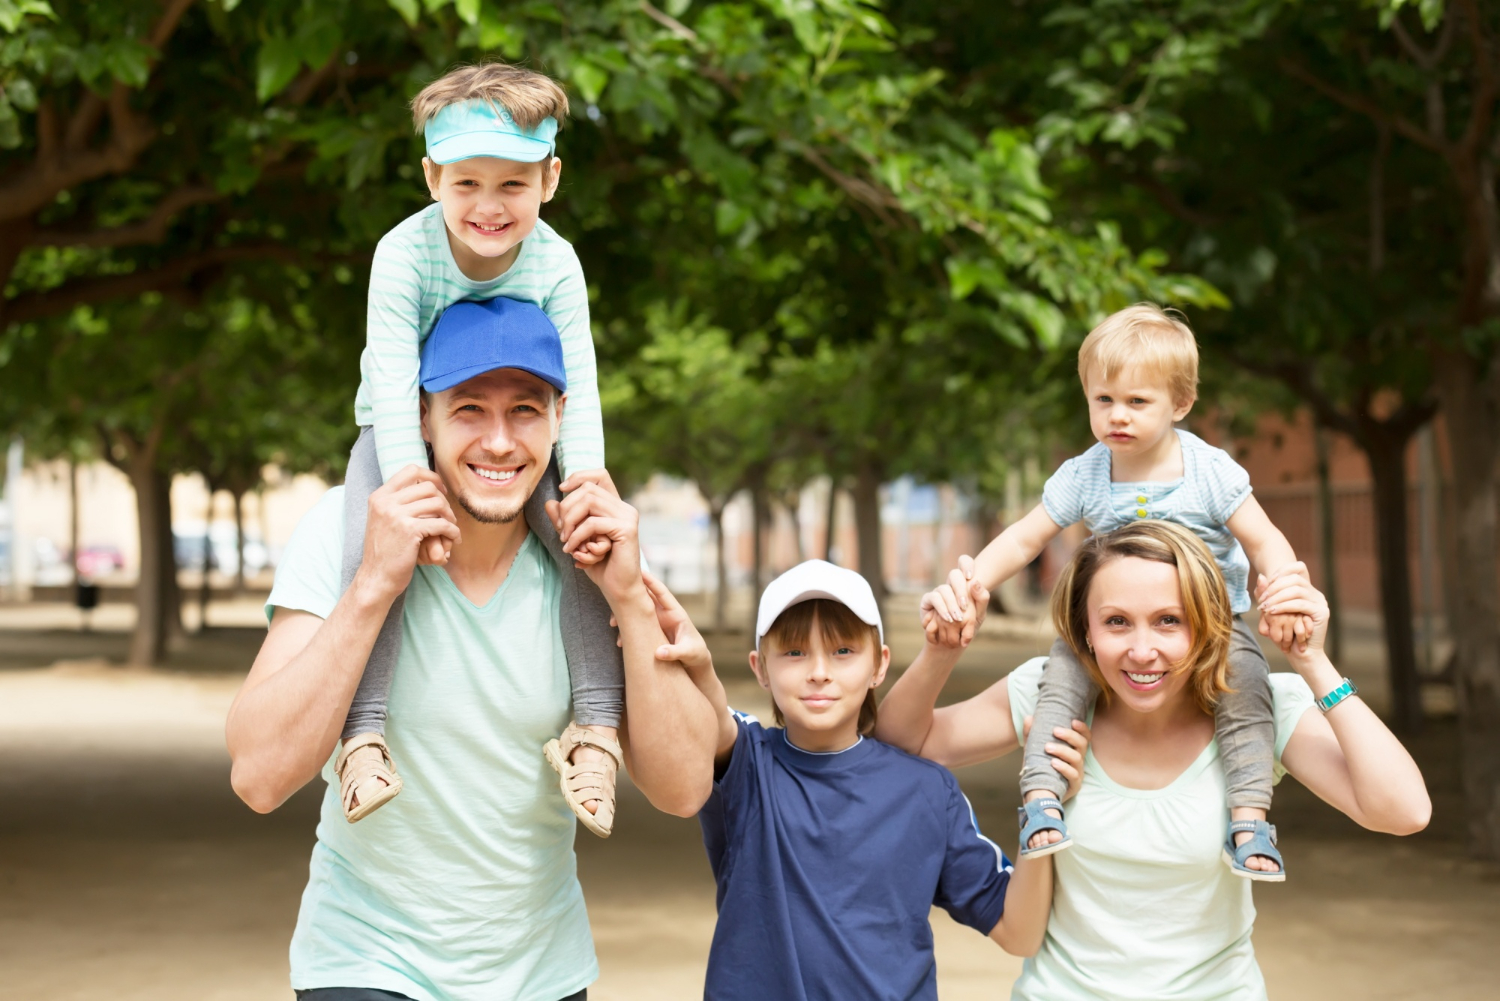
(99, 560)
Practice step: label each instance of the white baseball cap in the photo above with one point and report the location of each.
(818, 579)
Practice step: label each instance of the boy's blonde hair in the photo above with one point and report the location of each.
(1146, 337)
(528, 96)
(1205, 601)
(837, 626)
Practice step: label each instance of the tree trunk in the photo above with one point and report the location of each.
(1328, 543)
(760, 516)
(830, 520)
(239, 543)
(792, 501)
(867, 524)
(207, 561)
(1469, 404)
(721, 570)
(171, 605)
(1387, 454)
(73, 515)
(148, 644)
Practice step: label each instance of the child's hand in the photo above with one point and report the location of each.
(684, 643)
(1066, 750)
(434, 551)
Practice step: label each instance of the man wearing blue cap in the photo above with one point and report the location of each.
(465, 887)
(491, 162)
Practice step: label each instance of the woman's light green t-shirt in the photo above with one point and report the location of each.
(1144, 907)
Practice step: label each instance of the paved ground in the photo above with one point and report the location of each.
(128, 870)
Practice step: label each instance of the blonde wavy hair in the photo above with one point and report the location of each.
(1205, 601)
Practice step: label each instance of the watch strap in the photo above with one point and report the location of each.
(1338, 695)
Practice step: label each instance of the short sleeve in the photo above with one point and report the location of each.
(309, 576)
(728, 789)
(1290, 699)
(1063, 493)
(1023, 684)
(1226, 484)
(975, 873)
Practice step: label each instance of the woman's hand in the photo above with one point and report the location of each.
(1067, 751)
(1291, 593)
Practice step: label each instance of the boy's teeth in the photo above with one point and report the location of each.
(1142, 679)
(491, 474)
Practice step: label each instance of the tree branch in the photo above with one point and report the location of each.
(40, 305)
(1486, 81)
(152, 229)
(1358, 102)
(669, 22)
(56, 169)
(1427, 60)
(879, 199)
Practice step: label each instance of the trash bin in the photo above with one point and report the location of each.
(86, 596)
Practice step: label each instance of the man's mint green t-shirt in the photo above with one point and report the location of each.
(465, 886)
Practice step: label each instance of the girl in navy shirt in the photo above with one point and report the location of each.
(829, 847)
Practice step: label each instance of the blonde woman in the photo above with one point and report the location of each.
(1143, 906)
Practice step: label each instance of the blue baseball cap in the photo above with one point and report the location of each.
(472, 338)
(480, 128)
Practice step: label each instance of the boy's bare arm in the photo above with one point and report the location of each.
(686, 646)
(1010, 551)
(1028, 904)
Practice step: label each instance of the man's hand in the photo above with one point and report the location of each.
(952, 612)
(404, 514)
(594, 549)
(591, 515)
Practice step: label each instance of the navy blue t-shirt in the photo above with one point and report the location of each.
(828, 866)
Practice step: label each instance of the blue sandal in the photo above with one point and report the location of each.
(1262, 842)
(1033, 821)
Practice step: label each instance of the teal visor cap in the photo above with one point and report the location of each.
(479, 128)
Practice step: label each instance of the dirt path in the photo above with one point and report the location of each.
(128, 870)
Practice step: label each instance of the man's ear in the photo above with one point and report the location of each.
(881, 666)
(424, 410)
(551, 174)
(557, 412)
(755, 668)
(434, 173)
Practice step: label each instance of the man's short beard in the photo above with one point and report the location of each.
(488, 517)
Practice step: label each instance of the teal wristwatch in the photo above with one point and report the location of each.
(1338, 695)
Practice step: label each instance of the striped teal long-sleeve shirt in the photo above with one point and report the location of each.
(413, 279)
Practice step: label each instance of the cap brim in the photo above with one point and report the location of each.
(448, 380)
(501, 145)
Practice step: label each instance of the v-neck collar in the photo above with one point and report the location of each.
(454, 591)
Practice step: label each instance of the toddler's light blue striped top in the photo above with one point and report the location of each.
(413, 279)
(1211, 490)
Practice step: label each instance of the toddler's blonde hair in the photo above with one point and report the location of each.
(1146, 338)
(527, 95)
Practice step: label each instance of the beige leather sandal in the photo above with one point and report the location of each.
(366, 775)
(590, 780)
